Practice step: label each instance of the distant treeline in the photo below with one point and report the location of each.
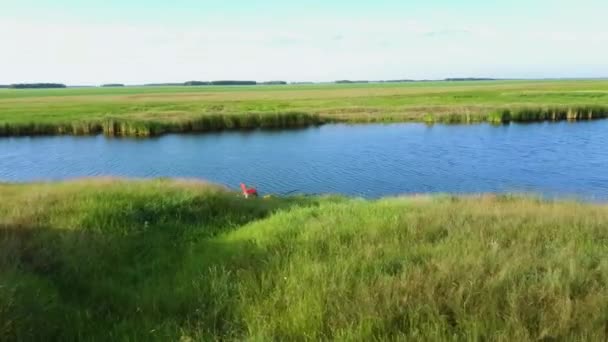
(409, 80)
(206, 83)
(231, 83)
(227, 83)
(240, 83)
(36, 85)
(4, 86)
(273, 83)
(196, 83)
(380, 81)
(469, 79)
(398, 81)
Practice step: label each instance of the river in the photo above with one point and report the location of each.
(373, 160)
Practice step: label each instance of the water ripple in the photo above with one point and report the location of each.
(363, 160)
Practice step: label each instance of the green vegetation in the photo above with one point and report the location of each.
(466, 79)
(36, 86)
(137, 128)
(273, 83)
(197, 83)
(180, 260)
(157, 110)
(349, 82)
(233, 83)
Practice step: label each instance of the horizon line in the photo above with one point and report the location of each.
(340, 81)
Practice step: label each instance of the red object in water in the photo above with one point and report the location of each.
(248, 191)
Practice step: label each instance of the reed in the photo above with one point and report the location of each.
(523, 115)
(208, 123)
(145, 128)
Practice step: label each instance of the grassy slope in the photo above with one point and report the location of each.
(164, 260)
(153, 110)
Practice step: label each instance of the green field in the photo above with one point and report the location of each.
(143, 111)
(180, 260)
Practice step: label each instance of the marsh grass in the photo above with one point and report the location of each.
(163, 260)
(144, 128)
(150, 111)
(210, 123)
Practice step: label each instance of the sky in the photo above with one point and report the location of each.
(89, 42)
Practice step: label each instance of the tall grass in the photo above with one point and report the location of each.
(143, 128)
(208, 123)
(524, 115)
(170, 260)
(147, 111)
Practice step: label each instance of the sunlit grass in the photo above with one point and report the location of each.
(163, 260)
(156, 110)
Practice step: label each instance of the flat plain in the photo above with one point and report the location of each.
(143, 111)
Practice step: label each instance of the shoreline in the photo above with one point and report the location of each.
(117, 127)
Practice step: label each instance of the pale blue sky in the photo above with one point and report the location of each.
(137, 41)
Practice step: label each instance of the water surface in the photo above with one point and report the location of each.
(554, 159)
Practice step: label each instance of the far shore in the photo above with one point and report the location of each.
(152, 111)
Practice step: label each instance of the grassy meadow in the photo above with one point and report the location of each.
(144, 111)
(107, 259)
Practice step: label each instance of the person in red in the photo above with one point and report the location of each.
(249, 191)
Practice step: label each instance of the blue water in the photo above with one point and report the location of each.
(553, 159)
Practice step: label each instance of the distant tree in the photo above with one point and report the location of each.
(348, 81)
(197, 83)
(113, 85)
(230, 83)
(4, 86)
(463, 79)
(37, 85)
(274, 83)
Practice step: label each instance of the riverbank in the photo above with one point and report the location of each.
(150, 111)
(167, 260)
